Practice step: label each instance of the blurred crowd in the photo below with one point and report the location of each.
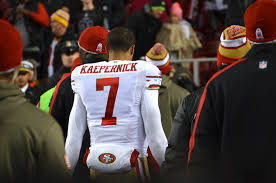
(211, 127)
(50, 30)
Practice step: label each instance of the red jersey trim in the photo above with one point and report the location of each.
(153, 77)
(201, 103)
(153, 162)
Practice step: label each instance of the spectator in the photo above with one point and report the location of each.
(33, 70)
(22, 80)
(235, 116)
(177, 151)
(178, 36)
(69, 51)
(112, 11)
(30, 18)
(145, 35)
(89, 16)
(31, 143)
(60, 31)
(139, 4)
(170, 94)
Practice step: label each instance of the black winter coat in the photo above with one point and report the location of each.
(43, 69)
(234, 134)
(178, 142)
(145, 29)
(57, 76)
(60, 110)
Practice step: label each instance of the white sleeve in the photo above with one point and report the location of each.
(155, 135)
(76, 129)
(153, 77)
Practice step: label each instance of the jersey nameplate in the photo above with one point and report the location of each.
(86, 69)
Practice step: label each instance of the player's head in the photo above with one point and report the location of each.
(92, 43)
(233, 45)
(11, 50)
(259, 22)
(120, 44)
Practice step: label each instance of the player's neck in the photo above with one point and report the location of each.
(119, 56)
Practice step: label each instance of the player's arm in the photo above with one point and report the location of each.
(155, 135)
(76, 129)
(77, 123)
(154, 131)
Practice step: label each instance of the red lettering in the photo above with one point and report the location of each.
(114, 84)
(90, 69)
(101, 68)
(113, 68)
(119, 68)
(83, 69)
(127, 66)
(124, 67)
(95, 69)
(106, 69)
(133, 67)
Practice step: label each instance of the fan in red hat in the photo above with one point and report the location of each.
(92, 42)
(11, 48)
(260, 21)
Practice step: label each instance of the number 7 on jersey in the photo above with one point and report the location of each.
(114, 84)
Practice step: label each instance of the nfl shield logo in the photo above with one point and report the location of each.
(259, 34)
(99, 47)
(263, 64)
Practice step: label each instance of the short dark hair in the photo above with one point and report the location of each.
(120, 39)
(87, 57)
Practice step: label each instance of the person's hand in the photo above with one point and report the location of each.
(23, 11)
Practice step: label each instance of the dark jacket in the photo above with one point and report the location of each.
(57, 76)
(62, 102)
(170, 97)
(235, 11)
(32, 94)
(145, 29)
(43, 68)
(115, 11)
(31, 142)
(234, 133)
(178, 142)
(85, 19)
(61, 105)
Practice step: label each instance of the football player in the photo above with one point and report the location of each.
(118, 102)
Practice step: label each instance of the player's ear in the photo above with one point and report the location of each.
(132, 49)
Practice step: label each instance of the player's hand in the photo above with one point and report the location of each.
(23, 11)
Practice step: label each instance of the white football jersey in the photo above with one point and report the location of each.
(111, 93)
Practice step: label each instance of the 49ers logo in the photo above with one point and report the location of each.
(107, 158)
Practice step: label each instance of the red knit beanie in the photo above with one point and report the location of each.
(259, 21)
(94, 40)
(11, 47)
